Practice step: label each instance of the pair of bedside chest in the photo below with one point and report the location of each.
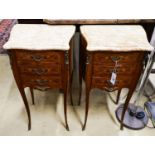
(41, 58)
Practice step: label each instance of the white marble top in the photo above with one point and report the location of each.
(40, 37)
(115, 38)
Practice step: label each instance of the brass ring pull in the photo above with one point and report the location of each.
(41, 88)
(110, 89)
(37, 58)
(39, 71)
(41, 82)
(108, 81)
(112, 70)
(115, 58)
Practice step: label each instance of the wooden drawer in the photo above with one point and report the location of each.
(28, 57)
(48, 69)
(41, 82)
(100, 58)
(101, 70)
(104, 83)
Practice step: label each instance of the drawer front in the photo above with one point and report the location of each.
(101, 70)
(24, 58)
(104, 83)
(100, 58)
(41, 82)
(49, 69)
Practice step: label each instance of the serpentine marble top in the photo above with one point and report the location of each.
(115, 38)
(40, 37)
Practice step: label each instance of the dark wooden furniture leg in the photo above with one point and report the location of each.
(21, 89)
(88, 87)
(80, 68)
(26, 106)
(80, 85)
(65, 108)
(70, 69)
(86, 108)
(32, 95)
(70, 88)
(118, 96)
(66, 79)
(130, 93)
(132, 88)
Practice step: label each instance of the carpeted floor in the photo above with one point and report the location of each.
(47, 114)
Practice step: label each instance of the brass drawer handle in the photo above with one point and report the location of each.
(112, 70)
(110, 89)
(41, 82)
(115, 58)
(39, 71)
(42, 88)
(37, 58)
(108, 81)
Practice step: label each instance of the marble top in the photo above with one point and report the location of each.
(40, 37)
(115, 38)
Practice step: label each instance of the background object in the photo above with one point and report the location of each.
(5, 28)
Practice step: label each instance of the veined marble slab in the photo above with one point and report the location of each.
(115, 38)
(40, 37)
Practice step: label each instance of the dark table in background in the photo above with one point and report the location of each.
(148, 24)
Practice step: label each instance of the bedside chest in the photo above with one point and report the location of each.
(41, 58)
(111, 59)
